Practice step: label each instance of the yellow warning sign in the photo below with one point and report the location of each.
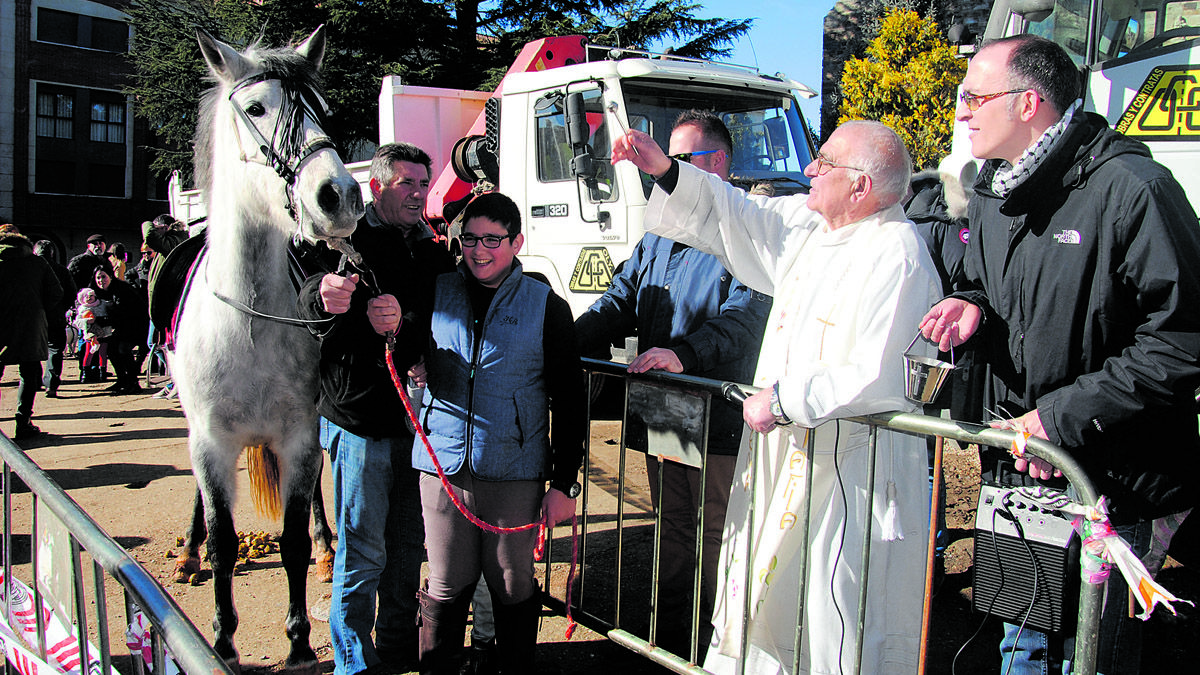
(593, 271)
(1167, 106)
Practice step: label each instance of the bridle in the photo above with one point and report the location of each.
(301, 102)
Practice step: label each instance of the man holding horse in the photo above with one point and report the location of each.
(376, 498)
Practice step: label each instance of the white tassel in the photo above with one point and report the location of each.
(891, 517)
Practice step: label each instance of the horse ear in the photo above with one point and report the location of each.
(313, 48)
(223, 60)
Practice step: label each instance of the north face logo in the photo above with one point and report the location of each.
(1068, 237)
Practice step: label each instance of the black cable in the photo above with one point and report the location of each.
(837, 472)
(992, 602)
(1036, 577)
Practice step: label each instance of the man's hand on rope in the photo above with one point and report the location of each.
(384, 313)
(336, 291)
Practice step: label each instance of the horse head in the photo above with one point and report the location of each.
(260, 135)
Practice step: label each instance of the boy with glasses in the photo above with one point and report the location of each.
(502, 356)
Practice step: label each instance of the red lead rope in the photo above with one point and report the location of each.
(486, 527)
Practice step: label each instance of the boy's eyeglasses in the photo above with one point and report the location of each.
(687, 156)
(488, 240)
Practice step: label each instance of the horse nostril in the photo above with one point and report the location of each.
(328, 198)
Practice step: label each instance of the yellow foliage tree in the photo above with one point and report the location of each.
(907, 81)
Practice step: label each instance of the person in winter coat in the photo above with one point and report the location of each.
(27, 287)
(127, 316)
(56, 318)
(82, 265)
(1081, 292)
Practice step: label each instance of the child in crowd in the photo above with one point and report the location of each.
(90, 321)
(503, 353)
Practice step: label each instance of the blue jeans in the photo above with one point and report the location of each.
(380, 548)
(1120, 646)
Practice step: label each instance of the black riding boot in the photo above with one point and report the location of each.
(443, 625)
(517, 633)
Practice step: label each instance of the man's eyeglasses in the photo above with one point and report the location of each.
(974, 101)
(687, 156)
(824, 166)
(488, 240)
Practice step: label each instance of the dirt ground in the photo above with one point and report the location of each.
(124, 460)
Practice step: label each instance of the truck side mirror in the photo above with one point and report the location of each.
(578, 133)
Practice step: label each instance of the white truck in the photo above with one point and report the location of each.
(1141, 61)
(543, 138)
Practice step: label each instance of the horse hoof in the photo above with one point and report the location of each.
(185, 567)
(306, 666)
(325, 568)
(234, 665)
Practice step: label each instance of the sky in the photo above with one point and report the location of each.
(786, 37)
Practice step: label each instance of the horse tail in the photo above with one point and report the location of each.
(262, 465)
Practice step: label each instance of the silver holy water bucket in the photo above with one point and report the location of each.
(923, 376)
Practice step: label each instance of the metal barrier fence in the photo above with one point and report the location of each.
(604, 613)
(170, 628)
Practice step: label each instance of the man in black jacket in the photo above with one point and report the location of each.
(1081, 291)
(56, 318)
(363, 424)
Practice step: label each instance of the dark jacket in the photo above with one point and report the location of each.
(679, 298)
(56, 314)
(28, 288)
(83, 266)
(944, 233)
(357, 393)
(1088, 279)
(127, 313)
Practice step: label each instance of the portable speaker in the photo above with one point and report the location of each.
(1006, 577)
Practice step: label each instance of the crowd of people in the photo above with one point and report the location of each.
(1067, 280)
(93, 309)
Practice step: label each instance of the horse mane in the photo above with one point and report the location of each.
(296, 71)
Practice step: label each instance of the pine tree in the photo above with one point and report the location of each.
(907, 81)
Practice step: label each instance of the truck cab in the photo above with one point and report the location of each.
(547, 144)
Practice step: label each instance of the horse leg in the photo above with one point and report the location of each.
(322, 534)
(188, 562)
(222, 554)
(295, 547)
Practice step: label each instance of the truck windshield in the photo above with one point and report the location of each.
(770, 140)
(1125, 25)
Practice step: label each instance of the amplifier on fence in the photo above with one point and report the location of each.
(1004, 581)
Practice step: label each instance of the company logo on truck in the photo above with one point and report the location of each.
(593, 270)
(1167, 106)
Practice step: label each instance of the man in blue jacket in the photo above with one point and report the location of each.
(691, 316)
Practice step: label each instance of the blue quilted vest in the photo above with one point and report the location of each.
(487, 401)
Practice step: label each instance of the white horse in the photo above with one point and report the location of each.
(245, 367)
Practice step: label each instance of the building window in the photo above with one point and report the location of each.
(108, 122)
(84, 156)
(81, 30)
(55, 115)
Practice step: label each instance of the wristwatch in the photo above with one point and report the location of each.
(571, 491)
(781, 419)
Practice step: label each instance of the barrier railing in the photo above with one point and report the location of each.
(170, 629)
(607, 618)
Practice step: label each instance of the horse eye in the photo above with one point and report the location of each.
(256, 109)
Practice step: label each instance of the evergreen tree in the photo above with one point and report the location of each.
(462, 44)
(907, 81)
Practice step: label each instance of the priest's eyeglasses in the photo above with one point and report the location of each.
(488, 240)
(824, 165)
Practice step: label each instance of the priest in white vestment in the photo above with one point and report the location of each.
(851, 280)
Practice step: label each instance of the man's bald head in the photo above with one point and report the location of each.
(879, 152)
